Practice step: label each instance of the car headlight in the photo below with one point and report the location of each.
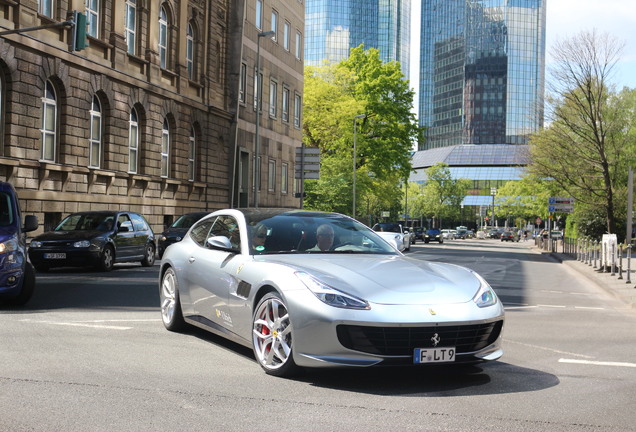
(485, 295)
(82, 244)
(9, 246)
(329, 295)
(35, 244)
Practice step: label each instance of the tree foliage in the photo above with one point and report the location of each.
(334, 95)
(586, 147)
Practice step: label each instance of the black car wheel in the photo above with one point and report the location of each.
(149, 256)
(272, 336)
(107, 259)
(28, 286)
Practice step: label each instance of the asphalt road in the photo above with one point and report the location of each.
(89, 353)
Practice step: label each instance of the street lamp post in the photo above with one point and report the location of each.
(493, 192)
(355, 133)
(257, 139)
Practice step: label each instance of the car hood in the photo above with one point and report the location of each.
(69, 235)
(387, 279)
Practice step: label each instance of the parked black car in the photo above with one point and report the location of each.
(175, 232)
(17, 277)
(97, 239)
(510, 236)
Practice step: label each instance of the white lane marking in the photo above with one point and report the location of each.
(520, 307)
(548, 349)
(92, 324)
(598, 363)
(588, 308)
(551, 306)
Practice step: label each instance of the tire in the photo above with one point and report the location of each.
(272, 337)
(149, 256)
(425, 241)
(28, 286)
(107, 259)
(171, 313)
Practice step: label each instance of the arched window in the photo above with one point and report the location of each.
(165, 149)
(133, 142)
(163, 37)
(190, 51)
(49, 123)
(95, 139)
(192, 156)
(131, 26)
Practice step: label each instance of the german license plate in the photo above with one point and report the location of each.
(434, 355)
(55, 256)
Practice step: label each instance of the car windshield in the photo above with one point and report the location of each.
(6, 210)
(311, 232)
(187, 220)
(386, 227)
(87, 222)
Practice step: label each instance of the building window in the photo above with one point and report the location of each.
(133, 142)
(258, 91)
(131, 25)
(242, 82)
(163, 38)
(271, 176)
(192, 156)
(49, 123)
(190, 51)
(165, 149)
(95, 139)
(285, 113)
(273, 98)
(284, 172)
(46, 8)
(297, 110)
(258, 21)
(299, 44)
(286, 35)
(274, 27)
(92, 17)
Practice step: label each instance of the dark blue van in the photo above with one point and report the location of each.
(17, 277)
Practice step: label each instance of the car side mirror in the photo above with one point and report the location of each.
(30, 223)
(221, 243)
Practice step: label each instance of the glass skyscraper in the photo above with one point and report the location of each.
(333, 27)
(482, 71)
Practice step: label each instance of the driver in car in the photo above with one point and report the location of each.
(324, 238)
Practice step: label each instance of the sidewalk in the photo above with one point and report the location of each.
(616, 285)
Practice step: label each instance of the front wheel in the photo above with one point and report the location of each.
(107, 259)
(28, 285)
(272, 337)
(171, 313)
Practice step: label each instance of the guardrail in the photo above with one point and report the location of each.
(606, 257)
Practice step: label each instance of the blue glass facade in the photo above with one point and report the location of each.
(482, 70)
(333, 27)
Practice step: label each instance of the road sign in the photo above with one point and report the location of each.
(307, 163)
(561, 208)
(561, 200)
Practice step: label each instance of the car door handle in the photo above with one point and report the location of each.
(191, 260)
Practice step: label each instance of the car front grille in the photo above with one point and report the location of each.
(401, 341)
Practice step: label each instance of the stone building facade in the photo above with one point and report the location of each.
(153, 116)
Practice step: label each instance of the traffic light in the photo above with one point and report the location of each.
(80, 40)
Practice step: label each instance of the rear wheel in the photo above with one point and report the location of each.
(272, 336)
(171, 313)
(149, 256)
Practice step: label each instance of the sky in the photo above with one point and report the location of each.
(567, 18)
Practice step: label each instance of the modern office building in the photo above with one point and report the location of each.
(333, 27)
(158, 114)
(482, 69)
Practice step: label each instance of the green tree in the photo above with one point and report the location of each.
(334, 95)
(586, 147)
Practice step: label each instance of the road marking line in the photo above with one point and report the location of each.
(78, 324)
(598, 363)
(551, 306)
(548, 349)
(589, 308)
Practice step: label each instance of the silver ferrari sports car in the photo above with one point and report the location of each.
(313, 289)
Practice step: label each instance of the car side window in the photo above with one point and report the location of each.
(123, 221)
(139, 222)
(201, 232)
(228, 227)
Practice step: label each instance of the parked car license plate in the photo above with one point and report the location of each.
(55, 256)
(434, 355)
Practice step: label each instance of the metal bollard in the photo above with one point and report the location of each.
(620, 261)
(613, 260)
(603, 258)
(629, 260)
(594, 250)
